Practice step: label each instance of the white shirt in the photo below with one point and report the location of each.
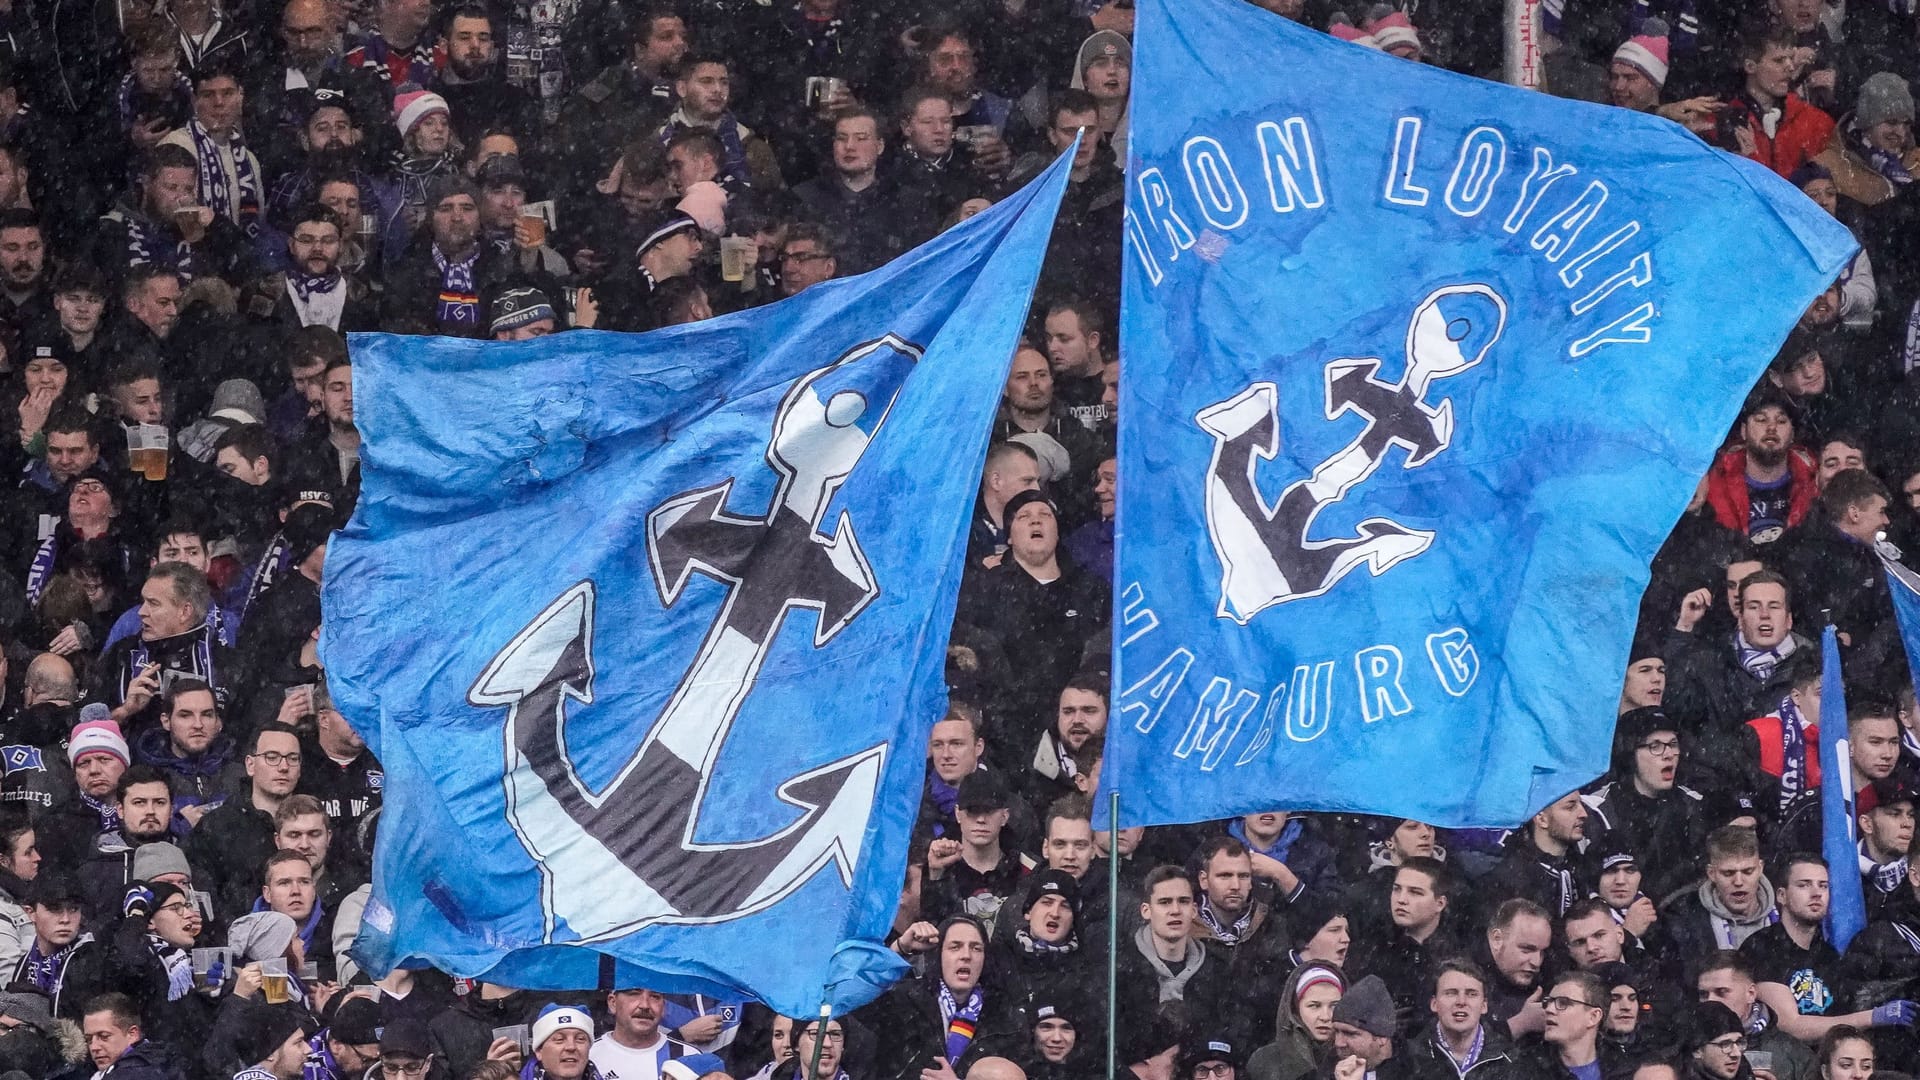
(617, 1062)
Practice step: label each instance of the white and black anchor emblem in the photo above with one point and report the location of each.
(1267, 552)
(619, 858)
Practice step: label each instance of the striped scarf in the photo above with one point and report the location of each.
(459, 303)
(239, 203)
(962, 1020)
(1793, 749)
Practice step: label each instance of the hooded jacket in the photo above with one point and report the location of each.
(1090, 50)
(1727, 487)
(464, 1032)
(1294, 1052)
(1666, 831)
(1699, 924)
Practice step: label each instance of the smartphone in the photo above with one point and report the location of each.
(1760, 1060)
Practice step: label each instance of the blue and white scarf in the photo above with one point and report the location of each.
(1793, 747)
(241, 206)
(43, 971)
(180, 99)
(1228, 935)
(202, 653)
(1473, 1052)
(1761, 662)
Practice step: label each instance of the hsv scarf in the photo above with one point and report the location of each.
(1228, 935)
(459, 303)
(238, 202)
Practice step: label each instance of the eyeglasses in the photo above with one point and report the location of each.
(1561, 1003)
(277, 759)
(1732, 1044)
(178, 907)
(1218, 1068)
(1661, 747)
(410, 1067)
(833, 1035)
(803, 256)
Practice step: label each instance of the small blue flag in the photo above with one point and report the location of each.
(648, 631)
(1417, 379)
(1846, 906)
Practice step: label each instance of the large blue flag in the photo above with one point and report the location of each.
(1846, 905)
(1419, 371)
(648, 631)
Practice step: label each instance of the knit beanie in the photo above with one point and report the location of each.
(1646, 51)
(414, 106)
(1883, 97)
(555, 1017)
(97, 737)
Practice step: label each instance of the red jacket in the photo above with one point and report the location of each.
(1803, 131)
(1773, 749)
(1727, 488)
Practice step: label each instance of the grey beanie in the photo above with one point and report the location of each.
(1883, 97)
(261, 935)
(1368, 1006)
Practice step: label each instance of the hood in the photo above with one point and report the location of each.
(1286, 1017)
(1711, 901)
(154, 747)
(1097, 43)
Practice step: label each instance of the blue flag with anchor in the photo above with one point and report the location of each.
(648, 630)
(1416, 380)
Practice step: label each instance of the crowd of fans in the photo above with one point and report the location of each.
(199, 197)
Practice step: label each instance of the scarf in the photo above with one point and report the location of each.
(147, 245)
(1886, 876)
(1228, 935)
(178, 964)
(108, 812)
(1173, 984)
(1793, 742)
(962, 1020)
(1282, 845)
(1033, 946)
(395, 67)
(459, 303)
(1761, 662)
(179, 99)
(734, 173)
(1887, 164)
(44, 971)
(199, 654)
(1473, 1052)
(305, 286)
(239, 204)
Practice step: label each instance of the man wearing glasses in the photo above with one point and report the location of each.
(1210, 1059)
(407, 1052)
(831, 1047)
(1642, 807)
(806, 258)
(1571, 1047)
(232, 842)
(1716, 1039)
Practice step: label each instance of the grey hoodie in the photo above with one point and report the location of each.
(1730, 927)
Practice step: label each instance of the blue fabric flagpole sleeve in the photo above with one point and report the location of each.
(1846, 906)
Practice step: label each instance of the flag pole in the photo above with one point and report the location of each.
(1113, 934)
(820, 1040)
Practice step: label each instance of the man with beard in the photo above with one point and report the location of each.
(24, 297)
(307, 60)
(442, 287)
(1028, 405)
(475, 87)
(1540, 860)
(1765, 485)
(330, 144)
(705, 88)
(313, 291)
(161, 223)
(1081, 715)
(635, 1047)
(1642, 809)
(144, 800)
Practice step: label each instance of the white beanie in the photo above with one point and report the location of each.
(554, 1017)
(97, 737)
